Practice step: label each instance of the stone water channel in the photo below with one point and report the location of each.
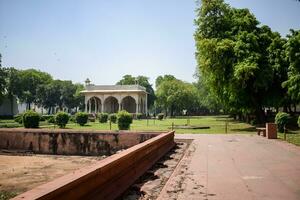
(144, 149)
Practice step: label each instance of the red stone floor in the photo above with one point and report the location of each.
(230, 167)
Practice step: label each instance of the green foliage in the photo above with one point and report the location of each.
(160, 116)
(174, 96)
(241, 63)
(103, 117)
(81, 118)
(29, 82)
(281, 119)
(124, 120)
(293, 56)
(113, 117)
(60, 93)
(139, 116)
(18, 118)
(31, 119)
(61, 119)
(299, 121)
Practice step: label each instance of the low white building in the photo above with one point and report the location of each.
(113, 98)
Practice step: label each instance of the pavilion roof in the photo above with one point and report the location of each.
(114, 88)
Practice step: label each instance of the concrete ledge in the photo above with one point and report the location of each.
(108, 178)
(70, 142)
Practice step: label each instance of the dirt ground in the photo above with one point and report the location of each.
(21, 173)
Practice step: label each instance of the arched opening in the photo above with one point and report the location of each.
(128, 104)
(111, 105)
(94, 105)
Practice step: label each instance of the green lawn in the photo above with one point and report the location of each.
(216, 124)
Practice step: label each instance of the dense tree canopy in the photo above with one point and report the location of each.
(174, 95)
(33, 86)
(293, 58)
(242, 63)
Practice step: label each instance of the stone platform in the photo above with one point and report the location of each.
(235, 167)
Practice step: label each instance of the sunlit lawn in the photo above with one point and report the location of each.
(216, 125)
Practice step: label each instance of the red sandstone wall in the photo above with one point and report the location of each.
(69, 142)
(108, 178)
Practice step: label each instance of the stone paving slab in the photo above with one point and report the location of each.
(230, 167)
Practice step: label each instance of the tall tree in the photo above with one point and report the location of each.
(30, 80)
(13, 85)
(293, 57)
(174, 96)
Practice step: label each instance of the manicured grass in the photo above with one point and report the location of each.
(291, 137)
(216, 124)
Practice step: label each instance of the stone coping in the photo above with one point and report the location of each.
(108, 178)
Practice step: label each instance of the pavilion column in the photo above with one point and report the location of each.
(119, 106)
(102, 107)
(85, 108)
(137, 108)
(90, 105)
(95, 105)
(146, 105)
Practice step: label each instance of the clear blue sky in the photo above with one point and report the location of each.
(106, 39)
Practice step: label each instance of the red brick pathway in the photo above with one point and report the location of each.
(241, 167)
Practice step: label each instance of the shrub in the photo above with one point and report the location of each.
(113, 118)
(160, 116)
(299, 121)
(18, 118)
(61, 119)
(124, 120)
(31, 119)
(81, 118)
(139, 116)
(103, 117)
(281, 119)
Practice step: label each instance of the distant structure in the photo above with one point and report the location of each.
(113, 98)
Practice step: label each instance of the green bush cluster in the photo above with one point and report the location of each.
(18, 118)
(299, 121)
(139, 116)
(61, 119)
(113, 118)
(124, 120)
(31, 119)
(103, 117)
(81, 118)
(160, 116)
(281, 119)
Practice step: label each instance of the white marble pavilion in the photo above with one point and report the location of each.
(113, 98)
